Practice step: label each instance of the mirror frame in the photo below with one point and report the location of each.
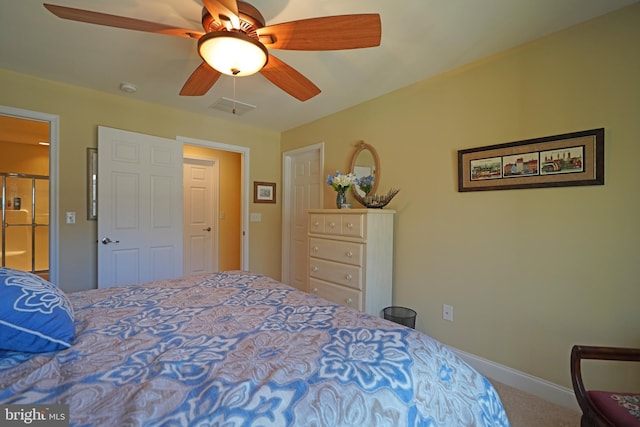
(362, 146)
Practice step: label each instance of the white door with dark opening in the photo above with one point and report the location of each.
(139, 208)
(200, 216)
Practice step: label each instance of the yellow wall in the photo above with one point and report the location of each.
(528, 272)
(81, 111)
(24, 159)
(230, 185)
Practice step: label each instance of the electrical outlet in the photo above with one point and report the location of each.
(447, 312)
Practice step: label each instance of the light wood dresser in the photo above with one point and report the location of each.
(351, 257)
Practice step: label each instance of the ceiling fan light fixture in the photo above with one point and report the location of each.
(233, 52)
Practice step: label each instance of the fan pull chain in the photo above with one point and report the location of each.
(234, 95)
(235, 76)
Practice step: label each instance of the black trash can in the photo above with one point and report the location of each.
(401, 315)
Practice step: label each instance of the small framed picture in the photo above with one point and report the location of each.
(264, 192)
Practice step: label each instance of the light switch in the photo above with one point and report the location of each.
(71, 217)
(256, 217)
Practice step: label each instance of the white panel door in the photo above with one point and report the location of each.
(139, 208)
(200, 214)
(304, 182)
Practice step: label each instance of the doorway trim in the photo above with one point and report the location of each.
(244, 168)
(287, 160)
(54, 130)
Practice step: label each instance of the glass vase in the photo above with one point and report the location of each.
(341, 197)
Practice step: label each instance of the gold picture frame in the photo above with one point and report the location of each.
(570, 159)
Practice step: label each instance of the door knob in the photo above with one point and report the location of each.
(107, 240)
(206, 229)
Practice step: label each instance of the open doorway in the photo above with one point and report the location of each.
(28, 175)
(233, 199)
(212, 210)
(169, 176)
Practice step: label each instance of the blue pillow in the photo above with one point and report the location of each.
(35, 315)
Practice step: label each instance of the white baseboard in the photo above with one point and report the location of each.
(543, 389)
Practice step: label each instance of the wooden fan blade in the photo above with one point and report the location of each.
(324, 33)
(289, 80)
(119, 21)
(200, 81)
(224, 12)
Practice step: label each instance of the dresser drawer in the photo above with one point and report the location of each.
(333, 250)
(342, 274)
(337, 294)
(333, 224)
(316, 223)
(347, 225)
(353, 225)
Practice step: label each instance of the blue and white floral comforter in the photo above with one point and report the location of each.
(236, 349)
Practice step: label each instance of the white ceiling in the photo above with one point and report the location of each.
(420, 39)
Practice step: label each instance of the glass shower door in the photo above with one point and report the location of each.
(25, 223)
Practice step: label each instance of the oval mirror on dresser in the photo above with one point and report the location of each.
(365, 162)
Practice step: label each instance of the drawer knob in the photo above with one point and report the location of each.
(348, 277)
(315, 290)
(348, 301)
(349, 254)
(314, 268)
(316, 223)
(315, 249)
(332, 224)
(349, 226)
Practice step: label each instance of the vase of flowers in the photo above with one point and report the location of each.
(341, 183)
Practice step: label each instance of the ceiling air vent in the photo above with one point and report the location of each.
(232, 106)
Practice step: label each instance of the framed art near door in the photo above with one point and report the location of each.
(264, 192)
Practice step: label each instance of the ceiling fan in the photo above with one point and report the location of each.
(230, 26)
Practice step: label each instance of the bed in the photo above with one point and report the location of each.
(228, 349)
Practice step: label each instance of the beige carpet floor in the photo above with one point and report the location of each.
(526, 410)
